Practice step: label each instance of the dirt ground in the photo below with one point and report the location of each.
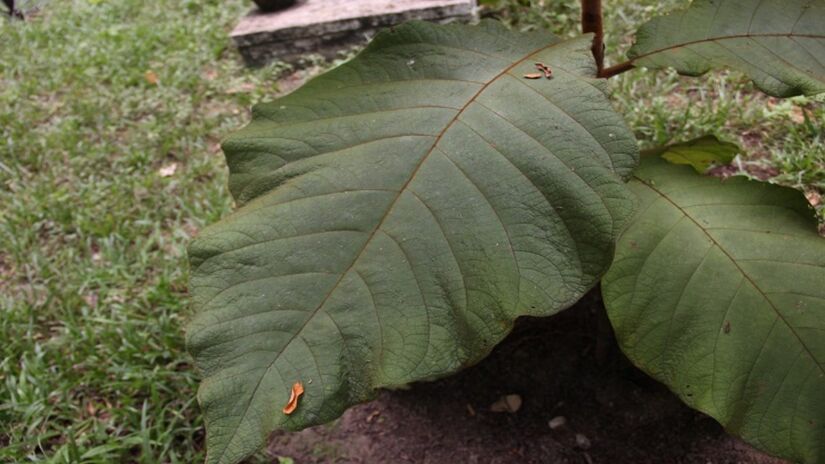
(560, 368)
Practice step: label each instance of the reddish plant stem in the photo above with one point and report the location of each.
(592, 22)
(616, 70)
(13, 12)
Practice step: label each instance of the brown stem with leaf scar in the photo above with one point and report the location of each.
(592, 21)
(13, 12)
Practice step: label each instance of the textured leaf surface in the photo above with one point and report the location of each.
(398, 213)
(718, 291)
(780, 44)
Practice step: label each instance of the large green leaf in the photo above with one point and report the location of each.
(780, 44)
(399, 212)
(718, 291)
(701, 153)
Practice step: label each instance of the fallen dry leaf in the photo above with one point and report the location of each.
(210, 74)
(507, 403)
(582, 441)
(168, 170)
(533, 76)
(91, 299)
(244, 87)
(151, 77)
(557, 422)
(797, 115)
(373, 415)
(292, 404)
(814, 198)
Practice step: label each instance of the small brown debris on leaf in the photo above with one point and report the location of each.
(548, 73)
(532, 76)
(507, 403)
(292, 404)
(726, 327)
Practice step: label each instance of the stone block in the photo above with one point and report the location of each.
(329, 26)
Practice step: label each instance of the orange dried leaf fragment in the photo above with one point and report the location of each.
(151, 77)
(292, 404)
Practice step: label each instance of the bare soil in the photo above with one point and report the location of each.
(566, 365)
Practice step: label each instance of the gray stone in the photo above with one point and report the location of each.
(329, 26)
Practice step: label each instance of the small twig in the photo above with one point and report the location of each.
(592, 21)
(616, 70)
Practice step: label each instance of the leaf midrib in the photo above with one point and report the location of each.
(390, 207)
(742, 271)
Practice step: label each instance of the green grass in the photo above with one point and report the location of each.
(94, 219)
(92, 236)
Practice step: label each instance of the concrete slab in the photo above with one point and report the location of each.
(328, 26)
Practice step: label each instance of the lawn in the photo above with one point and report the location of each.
(111, 113)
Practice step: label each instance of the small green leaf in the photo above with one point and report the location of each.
(718, 291)
(780, 44)
(701, 153)
(398, 214)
